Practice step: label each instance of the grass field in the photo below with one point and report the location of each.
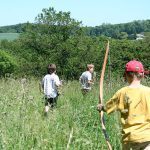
(9, 36)
(23, 126)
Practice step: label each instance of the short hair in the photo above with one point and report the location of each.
(89, 66)
(51, 68)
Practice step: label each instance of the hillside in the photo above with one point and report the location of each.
(18, 28)
(120, 31)
(117, 31)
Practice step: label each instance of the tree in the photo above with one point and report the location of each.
(122, 35)
(7, 63)
(47, 37)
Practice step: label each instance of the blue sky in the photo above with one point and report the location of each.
(90, 12)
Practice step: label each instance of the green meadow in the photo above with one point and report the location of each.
(73, 125)
(9, 36)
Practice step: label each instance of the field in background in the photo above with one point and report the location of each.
(23, 126)
(9, 36)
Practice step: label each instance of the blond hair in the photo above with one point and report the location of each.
(89, 66)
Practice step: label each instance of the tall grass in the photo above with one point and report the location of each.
(74, 124)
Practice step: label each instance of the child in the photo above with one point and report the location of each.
(86, 79)
(50, 84)
(133, 103)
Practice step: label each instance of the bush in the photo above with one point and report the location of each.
(7, 63)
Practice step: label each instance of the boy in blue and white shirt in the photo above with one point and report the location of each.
(50, 85)
(86, 79)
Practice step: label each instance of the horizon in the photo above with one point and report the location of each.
(84, 26)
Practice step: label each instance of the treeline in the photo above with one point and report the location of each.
(117, 31)
(120, 31)
(18, 28)
(57, 38)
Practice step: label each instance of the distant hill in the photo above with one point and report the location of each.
(18, 28)
(120, 31)
(117, 31)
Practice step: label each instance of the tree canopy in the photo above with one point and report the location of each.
(57, 38)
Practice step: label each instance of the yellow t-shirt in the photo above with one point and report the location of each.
(134, 106)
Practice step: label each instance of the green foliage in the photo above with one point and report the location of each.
(57, 38)
(18, 28)
(114, 31)
(49, 38)
(23, 125)
(7, 63)
(51, 17)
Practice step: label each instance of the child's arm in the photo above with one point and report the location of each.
(111, 105)
(58, 84)
(80, 79)
(90, 80)
(57, 81)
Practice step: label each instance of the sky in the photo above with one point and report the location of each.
(90, 12)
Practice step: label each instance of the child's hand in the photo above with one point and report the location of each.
(100, 107)
(61, 82)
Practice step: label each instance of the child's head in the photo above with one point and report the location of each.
(51, 68)
(134, 70)
(90, 67)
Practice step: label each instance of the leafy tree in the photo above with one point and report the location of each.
(7, 63)
(113, 31)
(57, 38)
(48, 36)
(122, 35)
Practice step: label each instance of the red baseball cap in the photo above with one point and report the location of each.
(135, 66)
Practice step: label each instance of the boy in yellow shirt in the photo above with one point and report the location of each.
(133, 102)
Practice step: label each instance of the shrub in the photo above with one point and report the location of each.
(7, 63)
